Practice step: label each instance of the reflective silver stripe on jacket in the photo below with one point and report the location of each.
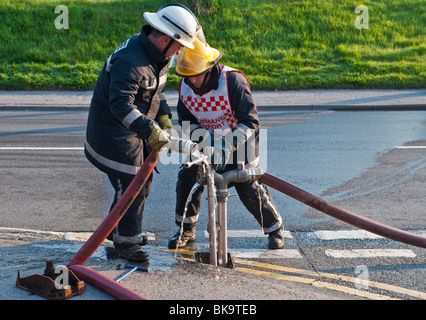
(163, 79)
(122, 167)
(131, 116)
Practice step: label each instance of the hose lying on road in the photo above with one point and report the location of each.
(341, 213)
(104, 283)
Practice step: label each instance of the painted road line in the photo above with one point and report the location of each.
(316, 283)
(378, 285)
(410, 147)
(277, 275)
(69, 236)
(307, 276)
(277, 267)
(351, 291)
(266, 254)
(370, 253)
(250, 234)
(345, 234)
(43, 148)
(324, 275)
(252, 253)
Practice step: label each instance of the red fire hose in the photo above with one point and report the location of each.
(341, 213)
(93, 243)
(108, 285)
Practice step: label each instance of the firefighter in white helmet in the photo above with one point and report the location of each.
(129, 115)
(176, 21)
(216, 108)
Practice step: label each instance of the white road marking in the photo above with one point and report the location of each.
(43, 148)
(410, 147)
(266, 254)
(69, 236)
(370, 253)
(345, 234)
(250, 234)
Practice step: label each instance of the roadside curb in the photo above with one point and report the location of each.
(43, 108)
(294, 100)
(411, 107)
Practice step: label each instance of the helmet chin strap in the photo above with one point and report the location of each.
(168, 46)
(206, 75)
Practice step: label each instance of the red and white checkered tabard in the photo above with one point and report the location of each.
(212, 110)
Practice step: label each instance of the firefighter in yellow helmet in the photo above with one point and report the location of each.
(198, 60)
(216, 107)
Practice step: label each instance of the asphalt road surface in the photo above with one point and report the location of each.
(372, 163)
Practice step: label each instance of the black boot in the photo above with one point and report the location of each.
(182, 240)
(143, 239)
(276, 239)
(132, 252)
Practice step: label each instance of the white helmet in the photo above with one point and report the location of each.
(177, 21)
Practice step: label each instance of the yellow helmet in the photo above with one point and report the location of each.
(196, 61)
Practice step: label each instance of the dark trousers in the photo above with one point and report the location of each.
(130, 225)
(253, 194)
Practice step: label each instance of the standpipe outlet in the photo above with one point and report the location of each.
(222, 181)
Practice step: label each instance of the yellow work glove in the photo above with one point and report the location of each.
(165, 122)
(158, 138)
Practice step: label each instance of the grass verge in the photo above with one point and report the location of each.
(279, 45)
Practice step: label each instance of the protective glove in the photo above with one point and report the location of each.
(165, 122)
(158, 138)
(222, 153)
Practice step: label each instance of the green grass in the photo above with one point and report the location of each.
(299, 44)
